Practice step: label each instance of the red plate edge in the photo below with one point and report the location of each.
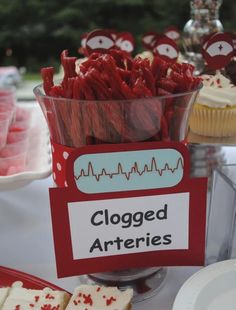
(8, 276)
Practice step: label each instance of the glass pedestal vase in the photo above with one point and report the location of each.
(145, 282)
(77, 123)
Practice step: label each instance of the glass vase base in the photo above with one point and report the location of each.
(145, 283)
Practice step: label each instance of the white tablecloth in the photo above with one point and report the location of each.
(26, 242)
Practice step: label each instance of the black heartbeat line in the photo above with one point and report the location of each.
(134, 170)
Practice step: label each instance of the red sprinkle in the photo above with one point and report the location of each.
(49, 307)
(98, 289)
(36, 298)
(88, 299)
(110, 300)
(17, 307)
(48, 296)
(31, 305)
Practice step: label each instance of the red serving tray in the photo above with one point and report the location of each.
(8, 276)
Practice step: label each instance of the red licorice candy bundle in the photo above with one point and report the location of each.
(104, 92)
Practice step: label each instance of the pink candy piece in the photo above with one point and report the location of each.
(22, 125)
(16, 136)
(7, 101)
(14, 149)
(4, 125)
(22, 119)
(15, 169)
(11, 165)
(7, 113)
(22, 114)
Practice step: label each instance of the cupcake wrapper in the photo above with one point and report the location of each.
(213, 122)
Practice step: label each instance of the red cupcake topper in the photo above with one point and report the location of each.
(125, 42)
(166, 49)
(172, 32)
(156, 39)
(206, 40)
(148, 39)
(218, 50)
(99, 41)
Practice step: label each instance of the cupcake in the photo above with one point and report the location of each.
(214, 113)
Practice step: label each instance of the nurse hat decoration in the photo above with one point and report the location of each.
(172, 32)
(217, 50)
(149, 39)
(166, 49)
(125, 42)
(99, 40)
(102, 40)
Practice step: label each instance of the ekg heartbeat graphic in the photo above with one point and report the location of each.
(134, 170)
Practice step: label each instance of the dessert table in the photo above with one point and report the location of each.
(26, 242)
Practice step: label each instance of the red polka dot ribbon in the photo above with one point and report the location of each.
(60, 154)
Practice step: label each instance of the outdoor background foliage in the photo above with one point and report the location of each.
(34, 32)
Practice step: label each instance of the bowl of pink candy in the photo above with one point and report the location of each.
(23, 139)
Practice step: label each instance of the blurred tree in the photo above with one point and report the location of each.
(38, 30)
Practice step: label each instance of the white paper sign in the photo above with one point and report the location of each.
(129, 225)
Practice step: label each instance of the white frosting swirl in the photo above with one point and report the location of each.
(217, 92)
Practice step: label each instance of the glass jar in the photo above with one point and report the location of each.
(204, 21)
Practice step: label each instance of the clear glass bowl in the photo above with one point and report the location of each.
(76, 123)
